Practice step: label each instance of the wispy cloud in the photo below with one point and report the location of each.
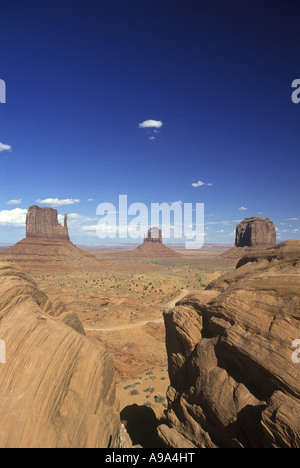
(200, 184)
(224, 222)
(58, 202)
(14, 202)
(4, 147)
(151, 124)
(292, 219)
(179, 202)
(243, 208)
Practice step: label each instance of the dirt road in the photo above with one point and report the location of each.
(170, 305)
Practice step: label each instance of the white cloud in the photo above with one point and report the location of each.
(151, 124)
(15, 217)
(179, 202)
(243, 208)
(14, 202)
(152, 138)
(224, 222)
(81, 224)
(78, 218)
(93, 227)
(4, 147)
(200, 184)
(91, 199)
(292, 219)
(58, 202)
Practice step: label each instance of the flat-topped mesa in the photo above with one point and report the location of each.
(255, 231)
(43, 222)
(154, 235)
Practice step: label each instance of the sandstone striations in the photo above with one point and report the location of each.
(57, 388)
(233, 379)
(43, 222)
(47, 245)
(254, 233)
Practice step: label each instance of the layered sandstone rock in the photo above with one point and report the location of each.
(252, 234)
(43, 222)
(233, 380)
(47, 245)
(154, 235)
(153, 247)
(57, 388)
(255, 232)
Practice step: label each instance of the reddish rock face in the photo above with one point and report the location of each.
(154, 235)
(233, 379)
(43, 222)
(254, 232)
(57, 388)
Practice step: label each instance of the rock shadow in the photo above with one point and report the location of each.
(141, 424)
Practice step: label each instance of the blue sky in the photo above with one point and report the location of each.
(82, 75)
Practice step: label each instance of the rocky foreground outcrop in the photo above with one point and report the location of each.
(233, 380)
(57, 388)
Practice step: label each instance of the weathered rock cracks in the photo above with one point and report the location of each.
(233, 380)
(251, 234)
(57, 388)
(255, 232)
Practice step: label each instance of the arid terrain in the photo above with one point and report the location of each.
(121, 306)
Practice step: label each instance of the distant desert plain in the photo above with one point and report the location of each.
(122, 305)
(160, 347)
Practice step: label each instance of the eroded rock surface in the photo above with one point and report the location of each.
(252, 234)
(43, 222)
(256, 231)
(57, 388)
(233, 380)
(47, 245)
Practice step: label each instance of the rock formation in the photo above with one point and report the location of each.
(153, 246)
(233, 379)
(47, 245)
(255, 232)
(252, 234)
(57, 388)
(43, 222)
(154, 235)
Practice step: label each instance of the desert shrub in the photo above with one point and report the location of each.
(149, 390)
(159, 398)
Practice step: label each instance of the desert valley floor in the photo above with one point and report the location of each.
(121, 305)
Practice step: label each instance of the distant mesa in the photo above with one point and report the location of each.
(47, 245)
(154, 235)
(253, 233)
(153, 246)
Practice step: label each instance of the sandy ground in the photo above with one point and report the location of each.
(122, 307)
